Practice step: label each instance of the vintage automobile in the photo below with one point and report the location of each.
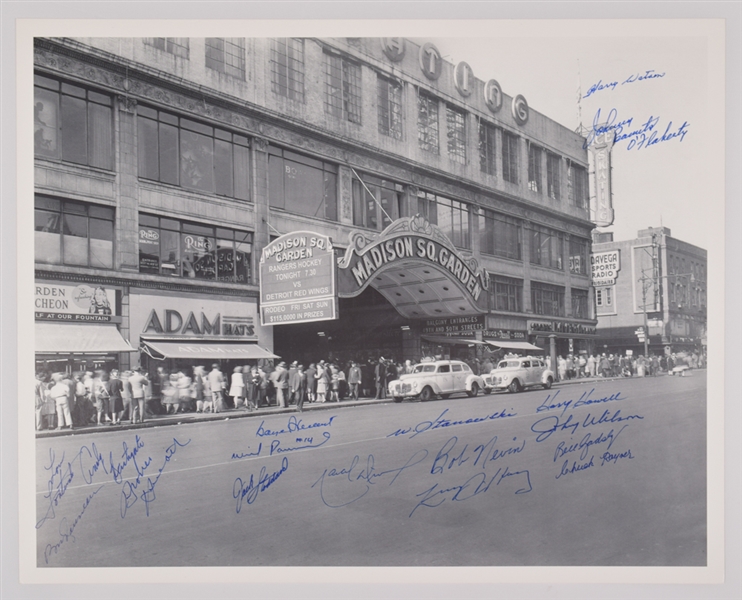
(517, 373)
(436, 378)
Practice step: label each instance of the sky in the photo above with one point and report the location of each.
(667, 183)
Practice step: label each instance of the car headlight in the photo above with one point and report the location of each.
(505, 378)
(414, 385)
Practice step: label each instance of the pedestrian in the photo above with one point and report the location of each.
(115, 390)
(281, 381)
(44, 402)
(292, 370)
(216, 382)
(591, 365)
(390, 374)
(562, 367)
(80, 414)
(311, 382)
(102, 396)
(323, 381)
(126, 395)
(253, 389)
(334, 384)
(60, 393)
(198, 388)
(138, 383)
(300, 384)
(380, 378)
(355, 378)
(237, 387)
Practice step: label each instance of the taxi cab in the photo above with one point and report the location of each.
(517, 373)
(437, 378)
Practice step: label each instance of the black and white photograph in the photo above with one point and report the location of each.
(384, 294)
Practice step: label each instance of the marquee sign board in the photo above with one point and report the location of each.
(298, 281)
(604, 267)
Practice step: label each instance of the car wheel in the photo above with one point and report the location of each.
(426, 394)
(398, 398)
(474, 390)
(515, 386)
(547, 385)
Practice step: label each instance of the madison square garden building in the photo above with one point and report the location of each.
(164, 167)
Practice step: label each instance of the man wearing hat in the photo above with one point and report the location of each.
(380, 378)
(292, 391)
(282, 384)
(299, 387)
(354, 380)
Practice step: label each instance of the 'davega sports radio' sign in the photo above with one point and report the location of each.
(408, 241)
(604, 267)
(298, 279)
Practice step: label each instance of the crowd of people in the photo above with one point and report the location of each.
(79, 399)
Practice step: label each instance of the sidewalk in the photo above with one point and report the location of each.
(239, 413)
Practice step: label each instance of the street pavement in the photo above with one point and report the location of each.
(593, 473)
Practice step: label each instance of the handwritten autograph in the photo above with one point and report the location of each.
(66, 531)
(612, 85)
(441, 422)
(644, 136)
(248, 492)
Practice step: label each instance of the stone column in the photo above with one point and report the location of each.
(263, 232)
(127, 213)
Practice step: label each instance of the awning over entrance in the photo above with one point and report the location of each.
(161, 350)
(62, 338)
(452, 341)
(525, 346)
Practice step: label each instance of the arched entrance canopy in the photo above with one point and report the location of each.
(416, 268)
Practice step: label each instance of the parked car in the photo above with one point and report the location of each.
(518, 373)
(437, 378)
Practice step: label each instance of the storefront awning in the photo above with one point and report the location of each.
(161, 350)
(61, 338)
(525, 346)
(451, 341)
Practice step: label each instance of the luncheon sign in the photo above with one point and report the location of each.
(605, 267)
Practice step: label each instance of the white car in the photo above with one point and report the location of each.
(437, 378)
(517, 373)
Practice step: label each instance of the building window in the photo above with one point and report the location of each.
(487, 154)
(182, 249)
(506, 294)
(604, 296)
(427, 123)
(342, 88)
(226, 55)
(456, 134)
(552, 176)
(302, 185)
(377, 209)
(547, 299)
(73, 233)
(580, 308)
(500, 235)
(176, 46)
(72, 123)
(578, 256)
(451, 217)
(546, 247)
(509, 157)
(389, 98)
(287, 68)
(577, 185)
(192, 155)
(534, 168)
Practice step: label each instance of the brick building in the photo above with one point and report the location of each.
(164, 166)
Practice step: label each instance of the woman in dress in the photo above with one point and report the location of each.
(323, 381)
(184, 392)
(237, 387)
(253, 389)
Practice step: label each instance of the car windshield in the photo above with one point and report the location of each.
(424, 369)
(505, 364)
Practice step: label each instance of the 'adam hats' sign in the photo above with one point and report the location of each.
(605, 267)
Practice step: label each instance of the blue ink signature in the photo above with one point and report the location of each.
(600, 86)
(586, 443)
(475, 485)
(249, 492)
(277, 449)
(644, 136)
(584, 400)
(447, 460)
(241, 455)
(548, 425)
(366, 475)
(129, 490)
(575, 468)
(440, 422)
(609, 458)
(292, 426)
(90, 462)
(643, 141)
(66, 531)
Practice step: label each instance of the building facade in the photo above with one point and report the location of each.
(164, 167)
(662, 282)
